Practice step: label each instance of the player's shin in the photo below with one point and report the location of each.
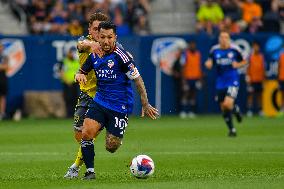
(87, 147)
(79, 159)
(227, 115)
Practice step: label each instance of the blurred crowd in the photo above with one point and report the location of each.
(237, 16)
(71, 16)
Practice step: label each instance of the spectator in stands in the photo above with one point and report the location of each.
(255, 77)
(70, 65)
(281, 81)
(252, 12)
(48, 16)
(75, 28)
(228, 25)
(3, 81)
(58, 18)
(38, 17)
(142, 27)
(209, 15)
(210, 11)
(191, 74)
(121, 27)
(271, 18)
(230, 9)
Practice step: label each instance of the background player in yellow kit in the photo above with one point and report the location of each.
(85, 46)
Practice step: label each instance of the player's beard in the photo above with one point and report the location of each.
(108, 48)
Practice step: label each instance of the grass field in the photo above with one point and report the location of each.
(187, 154)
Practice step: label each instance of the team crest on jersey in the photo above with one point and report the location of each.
(230, 55)
(110, 63)
(164, 52)
(14, 49)
(218, 56)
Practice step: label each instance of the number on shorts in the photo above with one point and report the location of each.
(233, 91)
(121, 124)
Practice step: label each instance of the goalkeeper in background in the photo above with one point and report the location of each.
(85, 47)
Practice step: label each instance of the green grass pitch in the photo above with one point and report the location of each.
(190, 153)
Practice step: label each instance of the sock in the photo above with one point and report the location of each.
(79, 159)
(228, 119)
(236, 109)
(87, 147)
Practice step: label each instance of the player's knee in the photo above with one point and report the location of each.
(88, 131)
(78, 136)
(227, 105)
(112, 147)
(112, 143)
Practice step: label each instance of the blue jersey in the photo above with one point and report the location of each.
(223, 59)
(114, 72)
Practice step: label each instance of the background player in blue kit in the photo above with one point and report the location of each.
(227, 58)
(113, 101)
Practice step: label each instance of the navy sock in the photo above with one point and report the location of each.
(88, 153)
(236, 109)
(228, 119)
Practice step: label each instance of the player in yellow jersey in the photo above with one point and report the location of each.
(86, 45)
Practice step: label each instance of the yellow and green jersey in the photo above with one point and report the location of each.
(91, 85)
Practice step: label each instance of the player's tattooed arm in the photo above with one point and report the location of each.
(146, 107)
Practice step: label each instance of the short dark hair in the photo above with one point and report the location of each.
(107, 25)
(98, 16)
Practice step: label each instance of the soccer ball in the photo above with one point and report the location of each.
(142, 166)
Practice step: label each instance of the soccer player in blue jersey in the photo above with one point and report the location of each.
(227, 58)
(114, 97)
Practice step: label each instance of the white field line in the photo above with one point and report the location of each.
(158, 153)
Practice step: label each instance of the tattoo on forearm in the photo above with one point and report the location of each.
(141, 90)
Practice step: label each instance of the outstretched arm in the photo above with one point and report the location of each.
(84, 70)
(87, 45)
(146, 107)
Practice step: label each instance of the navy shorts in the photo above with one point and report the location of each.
(231, 91)
(83, 104)
(255, 87)
(3, 87)
(114, 122)
(281, 85)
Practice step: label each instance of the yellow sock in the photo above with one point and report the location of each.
(79, 159)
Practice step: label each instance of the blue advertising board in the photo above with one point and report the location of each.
(34, 64)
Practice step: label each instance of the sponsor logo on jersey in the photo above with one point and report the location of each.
(109, 74)
(231, 55)
(14, 49)
(110, 63)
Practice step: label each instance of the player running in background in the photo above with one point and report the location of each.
(254, 78)
(85, 47)
(114, 98)
(227, 58)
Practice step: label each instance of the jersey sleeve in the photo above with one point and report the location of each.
(127, 64)
(88, 65)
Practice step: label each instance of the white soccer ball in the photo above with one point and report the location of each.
(142, 166)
